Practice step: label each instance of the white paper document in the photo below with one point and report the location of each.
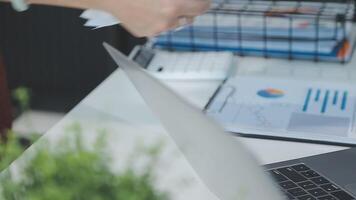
(98, 18)
(311, 110)
(191, 65)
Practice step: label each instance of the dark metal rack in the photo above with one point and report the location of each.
(337, 16)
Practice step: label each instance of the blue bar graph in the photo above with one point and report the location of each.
(323, 98)
(344, 100)
(336, 96)
(325, 102)
(307, 99)
(317, 96)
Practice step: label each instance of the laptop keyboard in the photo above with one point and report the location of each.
(300, 182)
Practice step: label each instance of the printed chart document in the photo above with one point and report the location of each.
(294, 109)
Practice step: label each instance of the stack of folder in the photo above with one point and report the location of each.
(295, 30)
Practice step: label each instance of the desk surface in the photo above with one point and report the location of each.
(118, 98)
(117, 107)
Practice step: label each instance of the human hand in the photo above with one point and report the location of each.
(142, 17)
(151, 17)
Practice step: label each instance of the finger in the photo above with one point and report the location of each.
(166, 26)
(181, 22)
(194, 7)
(184, 21)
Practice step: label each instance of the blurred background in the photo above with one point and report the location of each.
(50, 62)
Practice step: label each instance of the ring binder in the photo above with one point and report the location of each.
(314, 30)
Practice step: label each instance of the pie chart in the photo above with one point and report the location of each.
(270, 93)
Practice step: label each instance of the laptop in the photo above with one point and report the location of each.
(225, 166)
